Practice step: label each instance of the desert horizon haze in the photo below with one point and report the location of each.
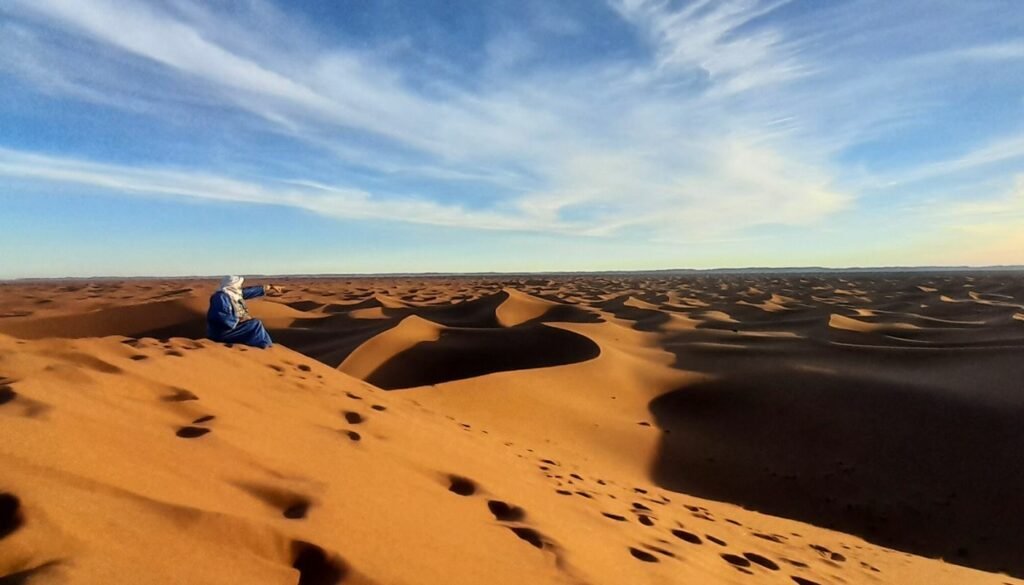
(185, 137)
(451, 292)
(745, 271)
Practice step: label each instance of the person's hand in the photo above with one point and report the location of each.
(274, 289)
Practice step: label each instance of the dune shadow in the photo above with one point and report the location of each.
(331, 339)
(466, 353)
(477, 313)
(567, 314)
(304, 306)
(926, 472)
(189, 329)
(643, 319)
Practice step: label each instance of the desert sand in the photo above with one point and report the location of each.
(735, 429)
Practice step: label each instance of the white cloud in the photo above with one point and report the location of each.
(590, 151)
(732, 123)
(707, 35)
(995, 152)
(985, 230)
(1005, 208)
(328, 200)
(1008, 51)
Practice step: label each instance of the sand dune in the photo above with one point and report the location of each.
(582, 429)
(519, 308)
(863, 326)
(121, 320)
(376, 351)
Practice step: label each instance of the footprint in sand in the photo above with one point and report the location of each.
(529, 535)
(799, 564)
(191, 432)
(7, 394)
(30, 408)
(828, 554)
(353, 418)
(869, 567)
(179, 395)
(297, 510)
(505, 512)
(687, 536)
(660, 551)
(502, 511)
(715, 540)
(293, 506)
(761, 560)
(776, 538)
(196, 431)
(316, 566)
(735, 560)
(642, 555)
(461, 486)
(11, 518)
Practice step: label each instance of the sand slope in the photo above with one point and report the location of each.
(549, 431)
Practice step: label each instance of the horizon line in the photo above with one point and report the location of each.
(743, 269)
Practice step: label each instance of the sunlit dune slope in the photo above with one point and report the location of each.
(540, 430)
(182, 461)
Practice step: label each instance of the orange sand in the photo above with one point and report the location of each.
(564, 430)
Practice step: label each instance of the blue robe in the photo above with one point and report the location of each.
(223, 325)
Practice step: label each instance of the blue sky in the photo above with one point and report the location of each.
(184, 137)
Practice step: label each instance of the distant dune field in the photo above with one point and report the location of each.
(815, 429)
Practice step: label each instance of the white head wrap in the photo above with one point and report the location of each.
(232, 286)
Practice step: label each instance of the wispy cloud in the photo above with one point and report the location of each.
(726, 116)
(1004, 208)
(710, 36)
(328, 200)
(995, 152)
(986, 230)
(639, 160)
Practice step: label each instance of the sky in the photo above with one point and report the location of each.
(184, 137)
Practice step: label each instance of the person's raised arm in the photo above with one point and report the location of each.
(251, 292)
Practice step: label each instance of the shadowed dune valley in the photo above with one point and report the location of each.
(743, 428)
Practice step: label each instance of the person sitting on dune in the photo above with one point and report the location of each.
(228, 319)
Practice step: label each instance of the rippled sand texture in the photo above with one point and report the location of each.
(808, 429)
